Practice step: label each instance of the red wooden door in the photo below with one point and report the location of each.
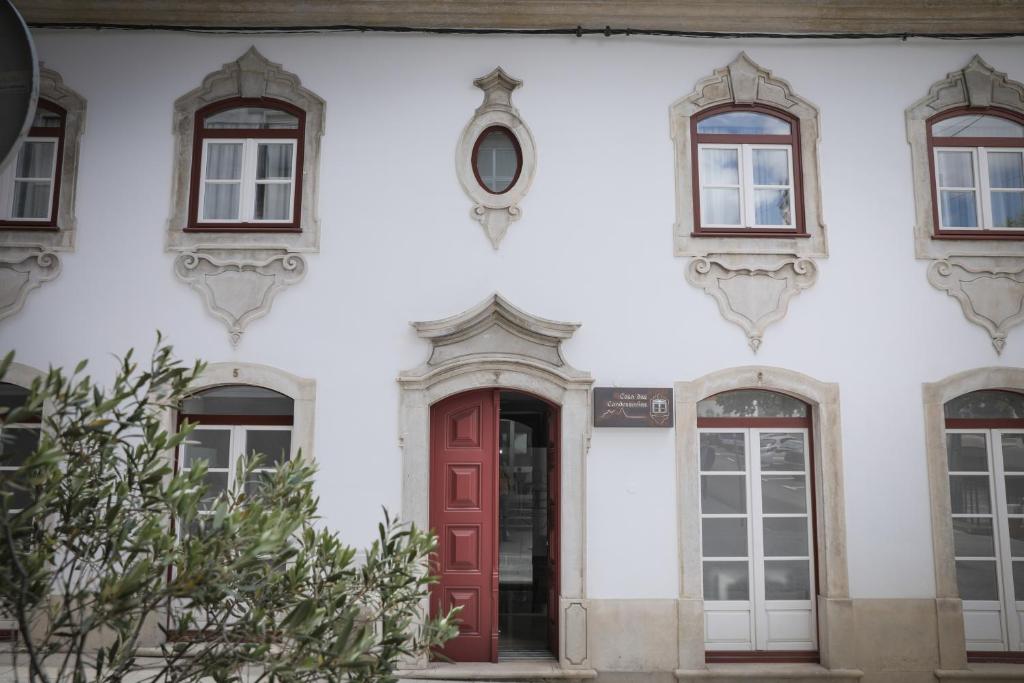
(464, 515)
(554, 526)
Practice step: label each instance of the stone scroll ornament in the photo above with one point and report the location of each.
(496, 211)
(991, 296)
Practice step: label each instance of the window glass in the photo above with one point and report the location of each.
(720, 451)
(751, 403)
(785, 537)
(787, 580)
(723, 494)
(16, 444)
(987, 404)
(45, 118)
(967, 452)
(726, 580)
(783, 494)
(237, 400)
(977, 126)
(743, 123)
(972, 537)
(724, 537)
(11, 396)
(273, 444)
(977, 580)
(497, 159)
(969, 494)
(251, 118)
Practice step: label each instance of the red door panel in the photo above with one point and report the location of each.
(463, 514)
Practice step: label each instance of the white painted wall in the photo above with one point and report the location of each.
(594, 245)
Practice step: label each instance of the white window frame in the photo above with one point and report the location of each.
(760, 609)
(747, 188)
(1009, 606)
(248, 181)
(8, 179)
(982, 189)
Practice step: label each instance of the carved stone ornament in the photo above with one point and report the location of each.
(30, 256)
(752, 279)
(985, 276)
(239, 273)
(495, 212)
(752, 297)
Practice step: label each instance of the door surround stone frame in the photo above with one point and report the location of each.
(495, 345)
(948, 606)
(834, 607)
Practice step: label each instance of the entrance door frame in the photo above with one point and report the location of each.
(495, 345)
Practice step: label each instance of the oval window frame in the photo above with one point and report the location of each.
(519, 158)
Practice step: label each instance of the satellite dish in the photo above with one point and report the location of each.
(19, 81)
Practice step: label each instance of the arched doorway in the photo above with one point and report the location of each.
(494, 504)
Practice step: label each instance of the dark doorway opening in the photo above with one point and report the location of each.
(527, 481)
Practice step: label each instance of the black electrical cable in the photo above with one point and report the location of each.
(577, 31)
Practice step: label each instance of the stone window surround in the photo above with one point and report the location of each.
(497, 345)
(239, 273)
(984, 275)
(751, 277)
(952, 643)
(834, 608)
(31, 254)
(300, 389)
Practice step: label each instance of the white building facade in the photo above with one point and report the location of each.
(851, 259)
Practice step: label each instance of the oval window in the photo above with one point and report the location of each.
(497, 159)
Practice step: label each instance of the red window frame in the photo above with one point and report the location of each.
(44, 132)
(201, 134)
(979, 233)
(476, 151)
(792, 140)
(807, 422)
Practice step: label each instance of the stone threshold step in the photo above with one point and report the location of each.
(768, 673)
(486, 672)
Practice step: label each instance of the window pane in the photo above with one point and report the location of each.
(751, 403)
(11, 396)
(785, 536)
(1016, 539)
(237, 400)
(721, 206)
(726, 581)
(220, 201)
(209, 446)
(20, 496)
(986, 404)
(719, 166)
(1018, 581)
(45, 118)
(969, 495)
(722, 452)
(35, 160)
(1007, 209)
(274, 444)
(274, 160)
(972, 537)
(16, 444)
(216, 484)
(771, 166)
(782, 451)
(252, 117)
(976, 580)
(255, 483)
(787, 580)
(959, 209)
(977, 126)
(273, 202)
(723, 494)
(224, 161)
(497, 159)
(1005, 169)
(967, 452)
(1013, 452)
(771, 207)
(724, 537)
(1015, 495)
(743, 123)
(31, 199)
(783, 494)
(956, 169)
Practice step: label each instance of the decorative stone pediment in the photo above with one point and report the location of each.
(495, 212)
(752, 296)
(239, 273)
(497, 330)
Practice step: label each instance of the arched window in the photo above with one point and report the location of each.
(757, 526)
(17, 441)
(985, 454)
(235, 420)
(746, 161)
(244, 161)
(30, 186)
(977, 172)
